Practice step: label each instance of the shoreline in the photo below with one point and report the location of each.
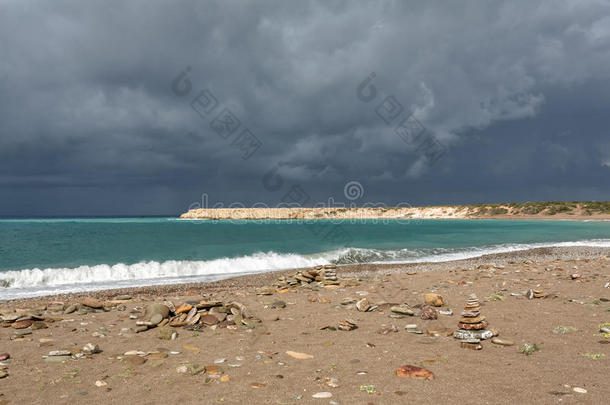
(350, 270)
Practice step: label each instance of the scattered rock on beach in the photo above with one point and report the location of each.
(409, 371)
(92, 303)
(435, 300)
(402, 309)
(428, 313)
(502, 342)
(363, 305)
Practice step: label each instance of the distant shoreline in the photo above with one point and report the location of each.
(592, 211)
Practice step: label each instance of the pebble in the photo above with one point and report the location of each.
(428, 313)
(220, 360)
(446, 312)
(402, 310)
(579, 390)
(3, 373)
(90, 348)
(4, 356)
(322, 395)
(57, 359)
(60, 353)
(502, 342)
(100, 383)
(134, 360)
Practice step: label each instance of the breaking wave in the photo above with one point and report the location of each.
(36, 282)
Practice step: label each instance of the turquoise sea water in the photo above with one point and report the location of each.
(42, 256)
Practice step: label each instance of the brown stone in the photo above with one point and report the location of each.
(435, 300)
(471, 346)
(209, 320)
(183, 308)
(92, 302)
(439, 332)
(134, 360)
(428, 313)
(472, 326)
(212, 370)
(25, 323)
(414, 372)
(477, 319)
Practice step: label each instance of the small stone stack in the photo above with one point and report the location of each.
(324, 275)
(472, 325)
(329, 275)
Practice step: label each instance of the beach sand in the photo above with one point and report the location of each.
(355, 367)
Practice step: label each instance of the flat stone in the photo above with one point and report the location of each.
(57, 359)
(4, 356)
(402, 309)
(92, 302)
(439, 332)
(502, 342)
(419, 373)
(70, 309)
(472, 334)
(134, 360)
(26, 323)
(184, 308)
(322, 395)
(60, 353)
(209, 319)
(471, 346)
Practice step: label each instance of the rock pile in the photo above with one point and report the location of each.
(531, 294)
(195, 316)
(322, 275)
(472, 325)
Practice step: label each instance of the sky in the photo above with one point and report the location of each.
(154, 107)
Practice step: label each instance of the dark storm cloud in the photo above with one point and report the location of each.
(89, 124)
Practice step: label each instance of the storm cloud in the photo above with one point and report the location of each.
(95, 120)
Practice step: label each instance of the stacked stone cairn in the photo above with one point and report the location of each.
(323, 275)
(472, 325)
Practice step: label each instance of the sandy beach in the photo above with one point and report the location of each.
(221, 362)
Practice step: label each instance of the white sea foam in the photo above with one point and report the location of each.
(37, 282)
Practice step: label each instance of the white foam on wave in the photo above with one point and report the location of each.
(37, 282)
(34, 282)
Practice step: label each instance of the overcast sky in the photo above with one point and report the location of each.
(142, 107)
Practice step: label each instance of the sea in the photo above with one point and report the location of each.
(50, 256)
